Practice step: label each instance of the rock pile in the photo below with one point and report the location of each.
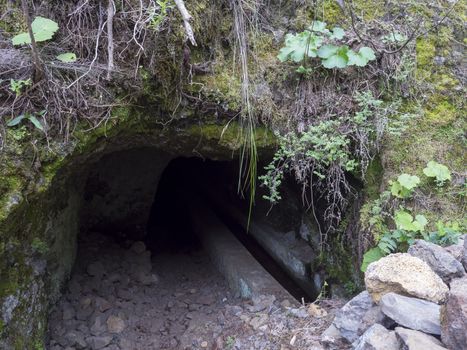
(415, 301)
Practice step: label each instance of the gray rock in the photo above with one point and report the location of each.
(348, 319)
(377, 338)
(412, 313)
(258, 321)
(331, 335)
(456, 250)
(372, 316)
(298, 312)
(415, 340)
(68, 312)
(76, 339)
(444, 264)
(115, 324)
(464, 257)
(138, 247)
(261, 302)
(454, 316)
(98, 326)
(99, 342)
(8, 306)
(95, 269)
(404, 274)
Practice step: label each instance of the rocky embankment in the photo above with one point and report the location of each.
(415, 300)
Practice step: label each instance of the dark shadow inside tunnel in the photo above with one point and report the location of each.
(145, 195)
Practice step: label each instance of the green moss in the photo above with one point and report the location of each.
(369, 10)
(331, 12)
(39, 246)
(230, 136)
(440, 110)
(373, 178)
(12, 19)
(426, 52)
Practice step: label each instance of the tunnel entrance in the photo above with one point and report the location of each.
(145, 276)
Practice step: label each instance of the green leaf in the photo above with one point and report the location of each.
(367, 52)
(420, 223)
(408, 181)
(439, 171)
(337, 33)
(42, 28)
(327, 51)
(404, 221)
(299, 45)
(68, 57)
(361, 59)
(16, 120)
(394, 38)
(334, 56)
(36, 122)
(372, 255)
(318, 26)
(20, 39)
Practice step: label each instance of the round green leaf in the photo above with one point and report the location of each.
(337, 33)
(367, 52)
(408, 181)
(68, 57)
(439, 171)
(21, 39)
(43, 28)
(327, 51)
(318, 26)
(404, 221)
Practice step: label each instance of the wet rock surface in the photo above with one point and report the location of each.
(121, 298)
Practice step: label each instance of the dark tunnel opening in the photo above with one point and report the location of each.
(147, 252)
(170, 229)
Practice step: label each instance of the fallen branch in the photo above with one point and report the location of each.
(186, 21)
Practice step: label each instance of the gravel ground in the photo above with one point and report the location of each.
(120, 297)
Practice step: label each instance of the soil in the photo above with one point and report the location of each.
(122, 298)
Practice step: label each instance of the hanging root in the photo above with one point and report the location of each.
(186, 21)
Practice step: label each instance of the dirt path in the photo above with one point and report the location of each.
(118, 298)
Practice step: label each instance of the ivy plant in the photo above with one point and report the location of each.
(319, 42)
(439, 172)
